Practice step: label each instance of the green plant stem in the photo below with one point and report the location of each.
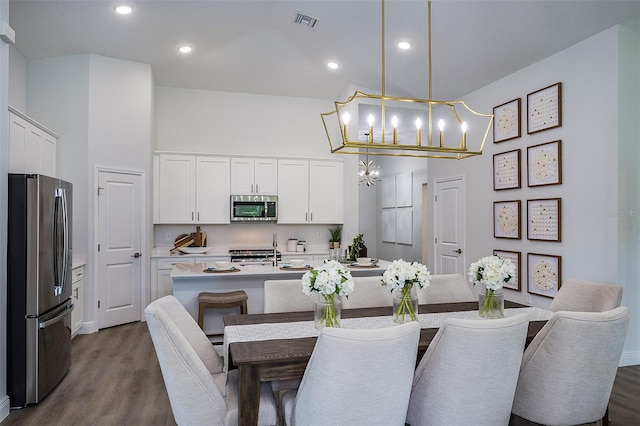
(330, 317)
(491, 303)
(405, 307)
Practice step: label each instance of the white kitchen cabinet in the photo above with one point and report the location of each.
(192, 189)
(254, 176)
(77, 287)
(310, 191)
(161, 282)
(32, 147)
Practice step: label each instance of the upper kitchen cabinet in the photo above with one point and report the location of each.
(192, 189)
(254, 176)
(32, 147)
(310, 191)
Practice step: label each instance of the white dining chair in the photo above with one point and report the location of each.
(356, 377)
(192, 370)
(286, 296)
(586, 296)
(368, 292)
(568, 369)
(469, 372)
(446, 288)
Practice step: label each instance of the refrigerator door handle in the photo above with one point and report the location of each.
(60, 208)
(60, 317)
(65, 219)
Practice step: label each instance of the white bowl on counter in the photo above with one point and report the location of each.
(297, 263)
(194, 250)
(222, 264)
(364, 261)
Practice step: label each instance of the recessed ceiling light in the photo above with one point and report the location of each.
(123, 9)
(186, 48)
(404, 45)
(333, 65)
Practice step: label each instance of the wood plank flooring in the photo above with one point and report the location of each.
(115, 379)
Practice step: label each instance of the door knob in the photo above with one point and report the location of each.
(137, 255)
(458, 251)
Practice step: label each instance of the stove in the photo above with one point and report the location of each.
(254, 255)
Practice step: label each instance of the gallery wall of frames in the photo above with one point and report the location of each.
(536, 219)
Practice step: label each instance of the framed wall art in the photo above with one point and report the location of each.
(543, 219)
(506, 121)
(506, 170)
(514, 256)
(544, 109)
(544, 164)
(506, 219)
(544, 274)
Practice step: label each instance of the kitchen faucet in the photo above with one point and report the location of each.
(275, 249)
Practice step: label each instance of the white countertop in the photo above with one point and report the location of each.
(195, 270)
(216, 251)
(78, 260)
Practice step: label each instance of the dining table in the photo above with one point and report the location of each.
(278, 355)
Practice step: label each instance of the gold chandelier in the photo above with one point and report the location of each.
(415, 114)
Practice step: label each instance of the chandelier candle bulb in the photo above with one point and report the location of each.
(370, 120)
(441, 127)
(346, 117)
(463, 144)
(418, 134)
(394, 123)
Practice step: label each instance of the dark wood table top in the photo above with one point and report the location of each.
(300, 349)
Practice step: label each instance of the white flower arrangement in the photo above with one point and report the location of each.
(492, 272)
(400, 277)
(330, 278)
(402, 273)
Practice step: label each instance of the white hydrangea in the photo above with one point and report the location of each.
(492, 272)
(401, 272)
(329, 278)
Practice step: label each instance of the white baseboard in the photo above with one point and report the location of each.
(629, 358)
(88, 328)
(4, 408)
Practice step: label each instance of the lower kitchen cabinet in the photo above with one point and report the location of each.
(161, 282)
(77, 283)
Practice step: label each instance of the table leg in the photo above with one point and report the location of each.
(248, 395)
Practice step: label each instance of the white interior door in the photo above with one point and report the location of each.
(119, 255)
(449, 226)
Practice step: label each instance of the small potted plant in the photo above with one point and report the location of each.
(335, 237)
(357, 248)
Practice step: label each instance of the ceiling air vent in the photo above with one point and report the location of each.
(305, 21)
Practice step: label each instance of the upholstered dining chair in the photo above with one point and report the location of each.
(586, 296)
(368, 292)
(446, 288)
(568, 369)
(192, 370)
(356, 377)
(286, 296)
(469, 372)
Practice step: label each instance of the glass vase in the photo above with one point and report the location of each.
(491, 303)
(327, 311)
(405, 304)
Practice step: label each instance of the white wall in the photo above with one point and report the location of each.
(17, 83)
(591, 91)
(4, 169)
(204, 121)
(102, 109)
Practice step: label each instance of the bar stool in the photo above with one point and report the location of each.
(230, 299)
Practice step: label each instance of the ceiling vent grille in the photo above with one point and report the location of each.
(305, 20)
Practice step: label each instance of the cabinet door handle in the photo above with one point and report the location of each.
(76, 290)
(306, 217)
(311, 217)
(191, 216)
(252, 188)
(198, 216)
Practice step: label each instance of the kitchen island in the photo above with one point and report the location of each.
(189, 280)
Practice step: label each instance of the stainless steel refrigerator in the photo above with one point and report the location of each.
(38, 286)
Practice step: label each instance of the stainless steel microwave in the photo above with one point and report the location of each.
(254, 208)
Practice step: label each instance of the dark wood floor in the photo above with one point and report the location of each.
(115, 379)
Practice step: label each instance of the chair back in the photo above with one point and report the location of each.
(586, 296)
(357, 377)
(446, 288)
(573, 359)
(469, 372)
(368, 292)
(286, 296)
(194, 396)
